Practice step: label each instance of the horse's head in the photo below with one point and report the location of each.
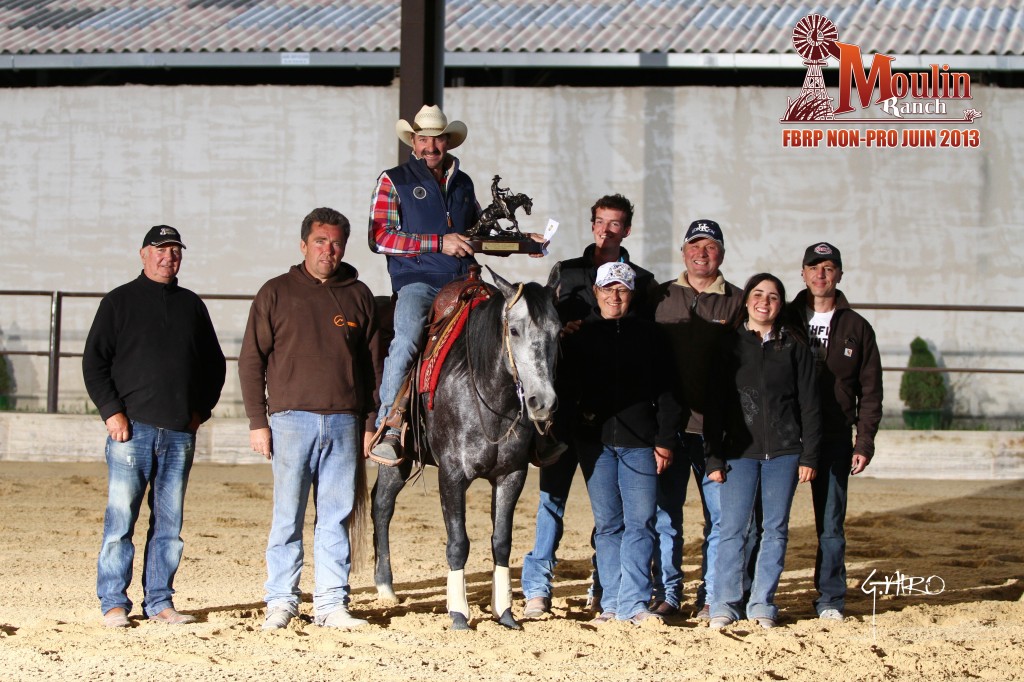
(530, 338)
(527, 204)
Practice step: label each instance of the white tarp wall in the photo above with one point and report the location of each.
(85, 171)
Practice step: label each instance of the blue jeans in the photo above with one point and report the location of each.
(666, 569)
(160, 459)
(668, 555)
(778, 479)
(828, 491)
(539, 563)
(319, 451)
(411, 311)
(622, 483)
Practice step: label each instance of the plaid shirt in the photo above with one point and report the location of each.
(386, 234)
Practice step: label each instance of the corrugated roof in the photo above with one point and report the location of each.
(920, 27)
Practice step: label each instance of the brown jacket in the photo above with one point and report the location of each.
(850, 382)
(312, 347)
(695, 322)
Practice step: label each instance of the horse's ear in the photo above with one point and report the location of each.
(507, 290)
(555, 278)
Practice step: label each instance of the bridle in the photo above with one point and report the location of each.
(506, 342)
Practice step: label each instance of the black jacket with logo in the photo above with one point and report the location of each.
(850, 381)
(763, 401)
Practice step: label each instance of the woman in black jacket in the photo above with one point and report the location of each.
(762, 436)
(615, 378)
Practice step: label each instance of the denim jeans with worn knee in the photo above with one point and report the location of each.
(318, 451)
(161, 460)
(622, 483)
(828, 491)
(539, 563)
(411, 311)
(740, 491)
(666, 568)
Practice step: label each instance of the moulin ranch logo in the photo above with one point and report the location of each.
(906, 99)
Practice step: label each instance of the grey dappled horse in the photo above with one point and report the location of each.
(495, 390)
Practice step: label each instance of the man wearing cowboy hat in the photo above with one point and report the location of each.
(420, 211)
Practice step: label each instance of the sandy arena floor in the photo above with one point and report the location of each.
(967, 534)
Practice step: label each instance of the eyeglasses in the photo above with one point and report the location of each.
(621, 291)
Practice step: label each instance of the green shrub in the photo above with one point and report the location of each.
(6, 376)
(922, 390)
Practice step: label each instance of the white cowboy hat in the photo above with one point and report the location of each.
(430, 121)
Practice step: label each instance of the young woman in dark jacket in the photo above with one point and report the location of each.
(617, 383)
(762, 433)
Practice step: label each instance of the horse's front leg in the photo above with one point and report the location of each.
(453, 506)
(390, 481)
(504, 496)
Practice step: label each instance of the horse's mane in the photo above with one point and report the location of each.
(483, 333)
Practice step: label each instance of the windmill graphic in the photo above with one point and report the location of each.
(814, 37)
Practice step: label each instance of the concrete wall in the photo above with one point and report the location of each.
(85, 171)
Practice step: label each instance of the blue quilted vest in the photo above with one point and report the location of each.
(424, 209)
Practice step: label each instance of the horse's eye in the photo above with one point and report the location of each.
(513, 331)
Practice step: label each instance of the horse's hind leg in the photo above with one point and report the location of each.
(504, 495)
(390, 481)
(453, 507)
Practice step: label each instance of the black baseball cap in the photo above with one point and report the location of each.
(816, 253)
(704, 229)
(159, 235)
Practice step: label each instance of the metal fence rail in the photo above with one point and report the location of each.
(54, 353)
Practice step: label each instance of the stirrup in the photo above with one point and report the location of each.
(384, 461)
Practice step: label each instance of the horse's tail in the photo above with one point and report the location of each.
(359, 522)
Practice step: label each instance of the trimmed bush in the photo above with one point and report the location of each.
(922, 390)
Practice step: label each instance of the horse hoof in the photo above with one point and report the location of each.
(459, 621)
(386, 594)
(508, 621)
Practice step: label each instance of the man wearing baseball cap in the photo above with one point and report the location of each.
(154, 368)
(850, 382)
(696, 309)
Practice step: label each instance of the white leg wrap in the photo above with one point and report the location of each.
(457, 602)
(501, 591)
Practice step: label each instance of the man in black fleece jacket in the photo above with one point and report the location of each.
(154, 369)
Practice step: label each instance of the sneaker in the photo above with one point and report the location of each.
(172, 617)
(663, 608)
(643, 616)
(388, 451)
(277, 618)
(704, 613)
(537, 607)
(116, 618)
(604, 617)
(719, 622)
(340, 618)
(765, 622)
(831, 614)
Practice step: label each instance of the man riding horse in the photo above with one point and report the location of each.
(420, 214)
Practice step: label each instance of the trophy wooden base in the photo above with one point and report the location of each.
(505, 247)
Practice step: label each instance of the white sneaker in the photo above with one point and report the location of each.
(831, 614)
(340, 618)
(277, 618)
